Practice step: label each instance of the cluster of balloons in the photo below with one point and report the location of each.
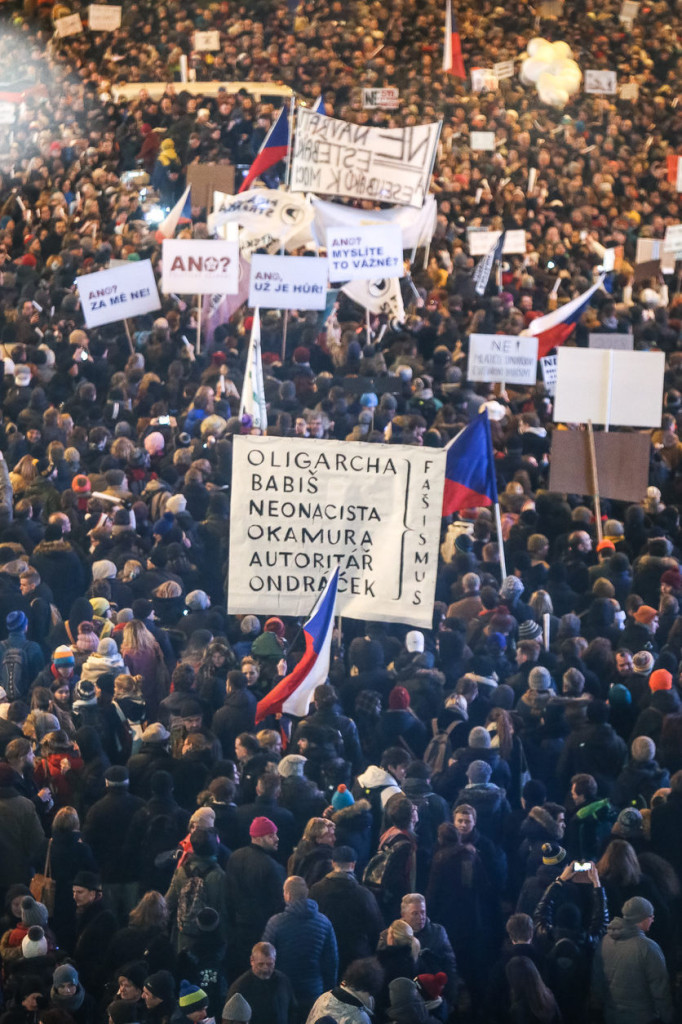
(551, 68)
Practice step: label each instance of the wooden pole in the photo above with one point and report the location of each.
(129, 337)
(595, 480)
(500, 541)
(285, 325)
(368, 328)
(198, 342)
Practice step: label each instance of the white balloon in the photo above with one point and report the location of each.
(533, 45)
(568, 69)
(545, 53)
(533, 67)
(570, 85)
(561, 50)
(546, 81)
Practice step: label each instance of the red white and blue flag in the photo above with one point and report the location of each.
(556, 327)
(319, 107)
(275, 148)
(470, 468)
(293, 694)
(181, 213)
(452, 50)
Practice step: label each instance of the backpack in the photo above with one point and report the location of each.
(439, 750)
(378, 870)
(14, 670)
(191, 901)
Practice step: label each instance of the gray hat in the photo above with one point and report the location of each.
(529, 630)
(511, 586)
(643, 749)
(236, 1009)
(405, 997)
(629, 823)
(539, 679)
(636, 909)
(250, 625)
(155, 733)
(479, 772)
(290, 765)
(479, 738)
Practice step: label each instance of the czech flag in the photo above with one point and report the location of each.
(554, 328)
(470, 468)
(452, 51)
(318, 106)
(275, 148)
(294, 693)
(180, 214)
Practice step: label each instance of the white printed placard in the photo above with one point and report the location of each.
(548, 370)
(200, 267)
(288, 282)
(481, 241)
(615, 340)
(483, 80)
(629, 91)
(336, 158)
(382, 99)
(602, 83)
(647, 249)
(504, 69)
(608, 260)
(629, 11)
(366, 253)
(673, 238)
(503, 357)
(300, 507)
(104, 18)
(119, 293)
(70, 25)
(482, 141)
(624, 389)
(205, 42)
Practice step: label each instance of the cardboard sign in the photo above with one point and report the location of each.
(383, 99)
(390, 165)
(673, 238)
(622, 388)
(206, 178)
(288, 282)
(647, 249)
(483, 80)
(300, 507)
(622, 464)
(503, 357)
(481, 241)
(623, 342)
(205, 42)
(482, 141)
(629, 11)
(117, 294)
(71, 25)
(548, 370)
(365, 253)
(200, 267)
(102, 18)
(504, 69)
(629, 91)
(602, 83)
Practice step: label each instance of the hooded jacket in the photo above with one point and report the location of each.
(306, 948)
(345, 1005)
(630, 976)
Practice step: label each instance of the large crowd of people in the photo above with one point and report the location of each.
(481, 821)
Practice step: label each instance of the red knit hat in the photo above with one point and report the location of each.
(262, 827)
(661, 679)
(645, 614)
(398, 699)
(276, 626)
(432, 986)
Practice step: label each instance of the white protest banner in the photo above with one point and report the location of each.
(603, 83)
(482, 141)
(383, 99)
(117, 294)
(200, 267)
(629, 10)
(673, 238)
(206, 41)
(288, 282)
(365, 253)
(623, 389)
(380, 296)
(483, 80)
(504, 69)
(548, 369)
(103, 18)
(417, 225)
(388, 165)
(70, 25)
(302, 507)
(481, 241)
(8, 112)
(623, 342)
(647, 249)
(629, 91)
(503, 357)
(268, 218)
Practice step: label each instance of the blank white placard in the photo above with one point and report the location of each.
(582, 387)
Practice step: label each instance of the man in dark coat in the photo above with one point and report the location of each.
(666, 825)
(253, 890)
(22, 840)
(60, 567)
(352, 909)
(267, 805)
(96, 927)
(641, 777)
(238, 713)
(153, 756)
(267, 990)
(326, 714)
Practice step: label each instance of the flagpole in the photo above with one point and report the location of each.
(285, 325)
(595, 480)
(500, 541)
(427, 246)
(368, 327)
(292, 112)
(198, 342)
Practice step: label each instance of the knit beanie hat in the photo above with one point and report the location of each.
(342, 798)
(65, 974)
(511, 586)
(619, 696)
(479, 772)
(643, 662)
(645, 614)
(63, 657)
(636, 909)
(660, 680)
(100, 606)
(87, 638)
(398, 699)
(431, 987)
(291, 765)
(250, 625)
(539, 679)
(135, 971)
(33, 912)
(643, 749)
(529, 630)
(629, 823)
(34, 943)
(191, 996)
(276, 626)
(107, 647)
(161, 985)
(197, 600)
(237, 1009)
(479, 738)
(103, 569)
(552, 853)
(262, 827)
